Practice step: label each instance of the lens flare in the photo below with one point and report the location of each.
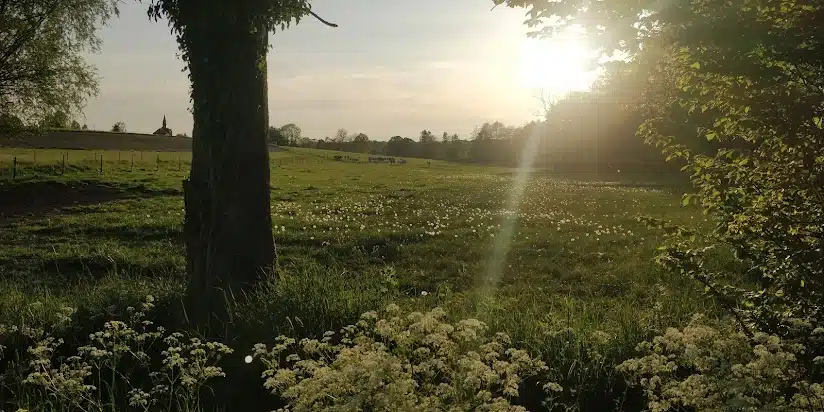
(503, 240)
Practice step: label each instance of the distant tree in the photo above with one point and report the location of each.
(75, 125)
(275, 136)
(482, 149)
(85, 127)
(182, 135)
(291, 133)
(342, 135)
(56, 119)
(452, 150)
(119, 127)
(10, 123)
(428, 146)
(306, 142)
(42, 48)
(401, 146)
(361, 143)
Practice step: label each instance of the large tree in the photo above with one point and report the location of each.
(745, 78)
(292, 133)
(228, 226)
(42, 47)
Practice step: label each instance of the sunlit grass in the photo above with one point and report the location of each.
(568, 255)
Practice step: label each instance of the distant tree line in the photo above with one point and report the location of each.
(57, 119)
(586, 132)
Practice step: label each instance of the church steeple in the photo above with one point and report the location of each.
(164, 130)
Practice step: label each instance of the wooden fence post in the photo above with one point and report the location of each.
(101, 163)
(132, 170)
(14, 168)
(157, 165)
(63, 168)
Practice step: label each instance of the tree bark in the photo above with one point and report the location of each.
(228, 225)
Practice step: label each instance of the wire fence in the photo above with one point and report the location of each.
(48, 162)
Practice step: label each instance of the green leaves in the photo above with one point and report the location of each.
(736, 89)
(43, 45)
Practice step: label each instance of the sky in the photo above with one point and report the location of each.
(393, 67)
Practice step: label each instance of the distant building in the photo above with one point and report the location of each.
(163, 131)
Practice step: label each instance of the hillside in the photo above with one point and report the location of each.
(97, 140)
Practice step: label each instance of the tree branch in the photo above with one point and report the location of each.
(27, 34)
(313, 14)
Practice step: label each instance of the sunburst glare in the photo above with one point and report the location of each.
(558, 65)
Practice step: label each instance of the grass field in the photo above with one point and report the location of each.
(577, 288)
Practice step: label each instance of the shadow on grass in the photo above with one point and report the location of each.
(58, 271)
(43, 197)
(143, 233)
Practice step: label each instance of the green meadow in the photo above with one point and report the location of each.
(560, 263)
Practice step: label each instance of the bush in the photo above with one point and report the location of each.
(392, 361)
(708, 367)
(129, 365)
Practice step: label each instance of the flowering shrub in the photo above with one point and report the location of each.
(409, 362)
(708, 368)
(101, 375)
(393, 361)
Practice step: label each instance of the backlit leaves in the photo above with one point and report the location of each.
(737, 93)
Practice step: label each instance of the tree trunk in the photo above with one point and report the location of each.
(228, 225)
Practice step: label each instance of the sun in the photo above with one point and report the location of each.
(557, 66)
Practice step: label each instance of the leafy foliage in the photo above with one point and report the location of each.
(758, 98)
(42, 47)
(183, 14)
(57, 119)
(742, 109)
(291, 133)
